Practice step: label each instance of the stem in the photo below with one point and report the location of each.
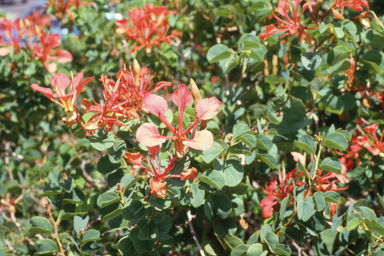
(56, 235)
(190, 217)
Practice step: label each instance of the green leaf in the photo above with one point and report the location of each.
(263, 142)
(224, 227)
(331, 164)
(374, 225)
(319, 199)
(107, 199)
(45, 246)
(68, 186)
(80, 223)
(353, 224)
(311, 61)
(40, 225)
(239, 130)
(240, 250)
(111, 211)
(249, 42)
(159, 203)
(210, 154)
(272, 241)
(102, 142)
(380, 200)
(104, 166)
(213, 178)
(256, 250)
(51, 189)
(232, 241)
(222, 205)
(128, 181)
(282, 249)
(218, 52)
(275, 79)
(249, 140)
(284, 212)
(116, 152)
(305, 208)
(332, 197)
(126, 247)
(306, 143)
(90, 236)
(233, 173)
(197, 195)
(269, 160)
(336, 141)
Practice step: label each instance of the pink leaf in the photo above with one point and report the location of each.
(64, 56)
(47, 91)
(207, 108)
(148, 135)
(60, 81)
(202, 141)
(4, 51)
(182, 97)
(155, 104)
(298, 157)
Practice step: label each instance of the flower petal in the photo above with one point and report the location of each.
(134, 158)
(207, 108)
(189, 174)
(47, 91)
(60, 81)
(182, 97)
(148, 134)
(64, 56)
(155, 104)
(202, 141)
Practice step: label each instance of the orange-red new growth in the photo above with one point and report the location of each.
(122, 99)
(289, 24)
(65, 100)
(149, 27)
(47, 49)
(207, 108)
(277, 192)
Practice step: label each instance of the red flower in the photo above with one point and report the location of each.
(290, 26)
(323, 183)
(11, 31)
(350, 71)
(48, 49)
(354, 4)
(123, 98)
(277, 193)
(371, 142)
(149, 27)
(351, 153)
(60, 7)
(148, 133)
(157, 183)
(67, 101)
(36, 19)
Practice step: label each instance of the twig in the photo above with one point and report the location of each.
(190, 217)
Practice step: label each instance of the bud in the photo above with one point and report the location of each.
(136, 70)
(158, 188)
(189, 174)
(275, 62)
(195, 92)
(337, 15)
(364, 20)
(366, 103)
